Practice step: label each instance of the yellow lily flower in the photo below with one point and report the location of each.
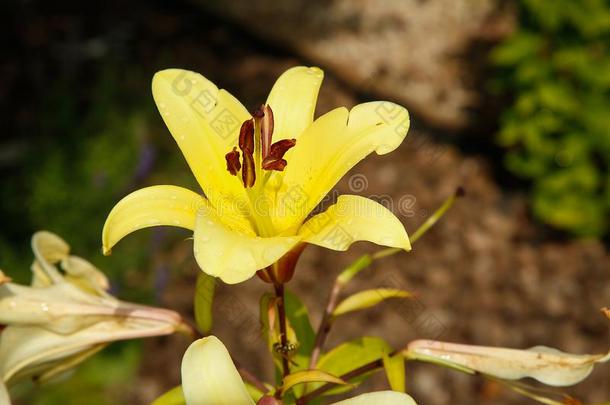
(66, 315)
(258, 198)
(209, 377)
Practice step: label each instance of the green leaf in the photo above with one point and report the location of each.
(270, 335)
(171, 397)
(254, 392)
(395, 371)
(354, 268)
(517, 49)
(349, 356)
(368, 298)
(204, 297)
(308, 376)
(298, 317)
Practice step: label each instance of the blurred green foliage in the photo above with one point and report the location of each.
(104, 376)
(95, 145)
(74, 174)
(557, 130)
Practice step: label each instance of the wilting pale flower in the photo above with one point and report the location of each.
(209, 377)
(66, 315)
(547, 365)
(4, 398)
(258, 197)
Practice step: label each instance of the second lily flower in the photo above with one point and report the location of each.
(258, 197)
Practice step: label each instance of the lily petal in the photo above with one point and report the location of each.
(4, 397)
(209, 376)
(85, 275)
(233, 254)
(49, 249)
(380, 397)
(547, 365)
(293, 100)
(29, 350)
(205, 122)
(339, 140)
(354, 218)
(151, 206)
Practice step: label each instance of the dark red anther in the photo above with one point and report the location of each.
(248, 172)
(233, 164)
(246, 137)
(267, 124)
(277, 165)
(275, 161)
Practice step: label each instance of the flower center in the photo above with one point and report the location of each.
(258, 153)
(258, 156)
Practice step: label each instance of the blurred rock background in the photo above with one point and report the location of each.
(81, 131)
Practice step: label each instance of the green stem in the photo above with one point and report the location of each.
(353, 269)
(281, 311)
(423, 228)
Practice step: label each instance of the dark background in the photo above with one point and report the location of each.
(80, 130)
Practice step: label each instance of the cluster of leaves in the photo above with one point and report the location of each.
(557, 130)
(331, 366)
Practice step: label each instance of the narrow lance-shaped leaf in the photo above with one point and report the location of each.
(254, 392)
(367, 299)
(544, 396)
(298, 320)
(307, 376)
(547, 365)
(298, 316)
(175, 396)
(349, 356)
(394, 367)
(204, 298)
(354, 268)
(267, 318)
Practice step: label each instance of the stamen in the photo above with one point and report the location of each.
(233, 165)
(275, 161)
(260, 152)
(246, 137)
(267, 124)
(246, 144)
(259, 112)
(248, 172)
